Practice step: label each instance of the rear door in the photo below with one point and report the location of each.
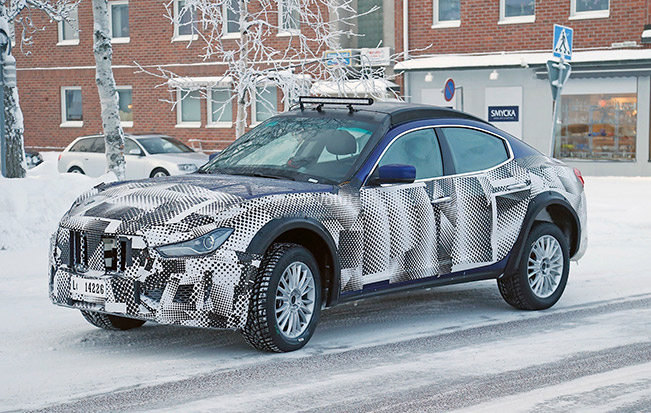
(136, 160)
(95, 160)
(485, 197)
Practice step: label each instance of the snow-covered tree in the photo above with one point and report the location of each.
(269, 43)
(10, 10)
(108, 94)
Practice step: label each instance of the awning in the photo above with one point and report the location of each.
(475, 61)
(200, 82)
(354, 88)
(646, 35)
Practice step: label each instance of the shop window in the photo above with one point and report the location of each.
(231, 12)
(119, 21)
(69, 30)
(220, 108)
(265, 103)
(447, 13)
(184, 21)
(517, 11)
(188, 109)
(590, 9)
(598, 127)
(71, 108)
(289, 16)
(125, 105)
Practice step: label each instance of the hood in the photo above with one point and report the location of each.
(185, 201)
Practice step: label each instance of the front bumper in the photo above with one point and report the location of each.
(209, 291)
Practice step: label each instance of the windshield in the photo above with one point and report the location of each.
(299, 148)
(163, 144)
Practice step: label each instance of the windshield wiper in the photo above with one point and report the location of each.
(264, 175)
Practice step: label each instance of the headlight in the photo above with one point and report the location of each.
(188, 167)
(205, 244)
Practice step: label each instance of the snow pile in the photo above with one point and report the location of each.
(32, 207)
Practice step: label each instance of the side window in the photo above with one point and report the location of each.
(473, 150)
(129, 146)
(98, 145)
(83, 145)
(418, 148)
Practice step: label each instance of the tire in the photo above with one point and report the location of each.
(158, 172)
(76, 170)
(111, 322)
(263, 330)
(540, 286)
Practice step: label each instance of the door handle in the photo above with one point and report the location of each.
(516, 187)
(442, 200)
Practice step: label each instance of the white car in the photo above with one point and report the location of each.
(147, 156)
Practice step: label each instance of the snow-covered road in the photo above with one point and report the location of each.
(457, 347)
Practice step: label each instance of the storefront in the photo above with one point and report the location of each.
(604, 112)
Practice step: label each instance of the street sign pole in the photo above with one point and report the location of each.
(559, 73)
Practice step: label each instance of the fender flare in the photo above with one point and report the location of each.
(276, 227)
(539, 203)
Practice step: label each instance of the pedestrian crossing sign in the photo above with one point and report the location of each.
(563, 42)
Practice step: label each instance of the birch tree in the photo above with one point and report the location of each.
(278, 43)
(108, 94)
(10, 14)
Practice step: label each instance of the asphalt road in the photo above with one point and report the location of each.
(451, 348)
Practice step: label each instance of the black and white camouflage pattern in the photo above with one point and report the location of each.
(383, 234)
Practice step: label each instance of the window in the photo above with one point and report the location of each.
(68, 31)
(98, 145)
(188, 109)
(589, 9)
(71, 108)
(119, 21)
(517, 11)
(83, 145)
(132, 148)
(12, 33)
(370, 25)
(447, 13)
(289, 16)
(125, 105)
(184, 21)
(265, 103)
(220, 108)
(473, 150)
(418, 148)
(598, 126)
(231, 12)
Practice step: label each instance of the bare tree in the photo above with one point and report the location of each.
(57, 10)
(270, 43)
(108, 94)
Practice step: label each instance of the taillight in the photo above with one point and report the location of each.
(579, 176)
(59, 157)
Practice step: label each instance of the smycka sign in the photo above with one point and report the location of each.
(503, 113)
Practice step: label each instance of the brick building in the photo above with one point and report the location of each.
(496, 53)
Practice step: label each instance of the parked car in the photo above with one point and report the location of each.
(33, 158)
(147, 156)
(319, 206)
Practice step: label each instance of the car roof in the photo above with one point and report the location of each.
(403, 112)
(128, 135)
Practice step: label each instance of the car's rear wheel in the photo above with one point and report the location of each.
(158, 172)
(285, 300)
(76, 170)
(540, 279)
(111, 322)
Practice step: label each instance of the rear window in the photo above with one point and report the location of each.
(473, 150)
(83, 145)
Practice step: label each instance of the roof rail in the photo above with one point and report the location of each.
(329, 100)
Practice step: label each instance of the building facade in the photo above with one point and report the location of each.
(496, 53)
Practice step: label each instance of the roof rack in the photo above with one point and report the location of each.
(328, 100)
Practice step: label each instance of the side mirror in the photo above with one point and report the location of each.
(394, 174)
(135, 151)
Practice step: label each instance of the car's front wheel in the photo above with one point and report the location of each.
(540, 280)
(285, 300)
(159, 172)
(111, 322)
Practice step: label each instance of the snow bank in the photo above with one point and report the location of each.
(32, 207)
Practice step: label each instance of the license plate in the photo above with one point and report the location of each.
(88, 288)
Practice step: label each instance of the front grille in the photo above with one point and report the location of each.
(184, 294)
(94, 251)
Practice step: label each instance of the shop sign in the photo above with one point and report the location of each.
(338, 57)
(503, 114)
(379, 56)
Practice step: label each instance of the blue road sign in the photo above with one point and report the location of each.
(448, 90)
(563, 42)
